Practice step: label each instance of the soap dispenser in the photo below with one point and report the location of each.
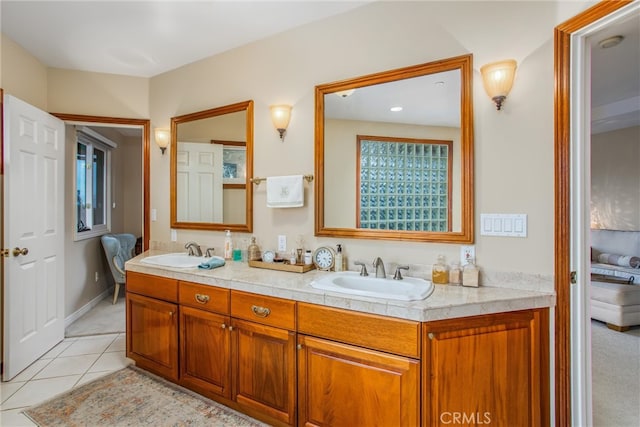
(338, 264)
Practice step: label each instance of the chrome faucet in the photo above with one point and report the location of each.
(379, 266)
(363, 268)
(193, 248)
(398, 275)
(209, 252)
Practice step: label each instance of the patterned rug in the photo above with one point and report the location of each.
(133, 397)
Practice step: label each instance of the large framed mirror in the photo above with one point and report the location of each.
(394, 154)
(211, 168)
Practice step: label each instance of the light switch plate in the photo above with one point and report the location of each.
(507, 225)
(282, 243)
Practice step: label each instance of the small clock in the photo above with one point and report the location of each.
(324, 258)
(268, 256)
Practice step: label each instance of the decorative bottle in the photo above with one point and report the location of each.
(455, 274)
(470, 274)
(338, 264)
(228, 245)
(440, 272)
(253, 251)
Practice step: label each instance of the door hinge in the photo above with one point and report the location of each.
(573, 277)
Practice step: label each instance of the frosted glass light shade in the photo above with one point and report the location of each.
(497, 78)
(162, 138)
(280, 115)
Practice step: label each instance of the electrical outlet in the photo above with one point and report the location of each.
(467, 253)
(282, 243)
(174, 235)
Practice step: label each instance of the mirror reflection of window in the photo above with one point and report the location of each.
(403, 184)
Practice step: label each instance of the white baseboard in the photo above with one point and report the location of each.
(85, 308)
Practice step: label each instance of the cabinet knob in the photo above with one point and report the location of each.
(231, 328)
(431, 335)
(299, 346)
(260, 311)
(202, 298)
(171, 314)
(223, 326)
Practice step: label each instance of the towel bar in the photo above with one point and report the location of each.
(257, 181)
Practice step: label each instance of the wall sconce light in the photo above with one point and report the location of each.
(280, 114)
(498, 80)
(162, 138)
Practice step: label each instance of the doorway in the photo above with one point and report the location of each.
(128, 206)
(572, 129)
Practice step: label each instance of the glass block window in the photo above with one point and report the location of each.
(403, 184)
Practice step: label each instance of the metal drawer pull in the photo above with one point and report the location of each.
(202, 298)
(260, 311)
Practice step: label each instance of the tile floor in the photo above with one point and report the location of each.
(71, 363)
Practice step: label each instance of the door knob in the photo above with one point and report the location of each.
(18, 251)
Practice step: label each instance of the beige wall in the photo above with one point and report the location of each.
(22, 75)
(512, 145)
(615, 179)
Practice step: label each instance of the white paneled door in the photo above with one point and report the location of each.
(33, 234)
(199, 182)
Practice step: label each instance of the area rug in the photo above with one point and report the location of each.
(133, 397)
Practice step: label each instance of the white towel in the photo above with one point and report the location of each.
(285, 191)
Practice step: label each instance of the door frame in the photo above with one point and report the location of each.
(563, 112)
(146, 154)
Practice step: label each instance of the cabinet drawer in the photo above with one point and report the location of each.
(204, 297)
(262, 309)
(152, 286)
(392, 335)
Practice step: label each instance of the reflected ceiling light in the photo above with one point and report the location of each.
(345, 93)
(395, 109)
(498, 80)
(162, 138)
(280, 115)
(610, 42)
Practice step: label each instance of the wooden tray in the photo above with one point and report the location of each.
(281, 266)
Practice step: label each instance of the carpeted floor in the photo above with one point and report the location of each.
(104, 318)
(133, 397)
(615, 360)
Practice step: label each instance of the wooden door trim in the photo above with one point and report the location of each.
(146, 158)
(562, 172)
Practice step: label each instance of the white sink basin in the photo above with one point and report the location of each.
(175, 260)
(350, 282)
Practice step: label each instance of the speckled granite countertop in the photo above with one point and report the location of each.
(447, 301)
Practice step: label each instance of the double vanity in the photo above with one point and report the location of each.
(271, 345)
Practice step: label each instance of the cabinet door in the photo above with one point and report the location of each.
(489, 369)
(264, 369)
(152, 335)
(205, 351)
(344, 385)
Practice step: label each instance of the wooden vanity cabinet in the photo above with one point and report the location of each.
(263, 355)
(205, 343)
(341, 383)
(152, 323)
(491, 369)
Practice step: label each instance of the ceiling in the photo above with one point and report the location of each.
(147, 38)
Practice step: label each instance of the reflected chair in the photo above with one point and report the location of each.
(118, 248)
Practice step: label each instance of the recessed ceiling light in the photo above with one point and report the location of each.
(345, 93)
(610, 42)
(395, 109)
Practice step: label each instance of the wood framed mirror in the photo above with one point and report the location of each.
(394, 154)
(211, 168)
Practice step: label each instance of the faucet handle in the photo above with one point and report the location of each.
(209, 252)
(398, 275)
(363, 269)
